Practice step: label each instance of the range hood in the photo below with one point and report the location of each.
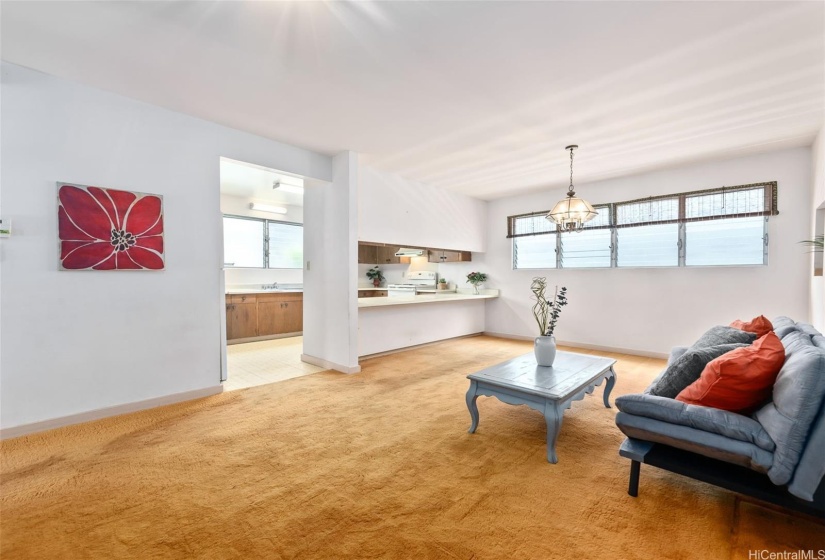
(407, 252)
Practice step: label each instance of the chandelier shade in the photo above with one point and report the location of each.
(571, 213)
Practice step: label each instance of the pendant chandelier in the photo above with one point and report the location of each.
(572, 212)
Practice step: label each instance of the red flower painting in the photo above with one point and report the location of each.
(108, 229)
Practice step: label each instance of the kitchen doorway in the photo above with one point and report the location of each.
(261, 275)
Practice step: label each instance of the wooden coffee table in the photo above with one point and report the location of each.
(550, 390)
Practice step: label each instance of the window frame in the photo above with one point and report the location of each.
(770, 208)
(265, 227)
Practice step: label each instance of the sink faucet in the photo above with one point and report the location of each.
(273, 286)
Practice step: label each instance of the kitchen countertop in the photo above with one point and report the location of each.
(240, 291)
(434, 298)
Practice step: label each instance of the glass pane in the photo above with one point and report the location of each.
(243, 243)
(286, 245)
(533, 224)
(723, 204)
(602, 217)
(720, 242)
(649, 211)
(536, 251)
(648, 245)
(586, 249)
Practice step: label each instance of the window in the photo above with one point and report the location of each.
(724, 226)
(243, 242)
(642, 239)
(591, 247)
(534, 242)
(257, 243)
(285, 245)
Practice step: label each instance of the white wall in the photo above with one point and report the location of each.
(817, 313)
(381, 329)
(392, 209)
(63, 346)
(651, 310)
(239, 206)
(331, 268)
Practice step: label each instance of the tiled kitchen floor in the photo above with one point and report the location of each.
(268, 361)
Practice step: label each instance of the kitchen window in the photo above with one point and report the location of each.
(727, 226)
(258, 243)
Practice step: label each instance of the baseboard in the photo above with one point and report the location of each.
(260, 338)
(414, 346)
(584, 346)
(326, 364)
(34, 427)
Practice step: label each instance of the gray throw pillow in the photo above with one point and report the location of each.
(724, 335)
(687, 368)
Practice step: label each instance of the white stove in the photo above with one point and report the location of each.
(413, 281)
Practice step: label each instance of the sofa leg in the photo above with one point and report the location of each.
(633, 488)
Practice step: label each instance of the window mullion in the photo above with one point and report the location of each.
(266, 244)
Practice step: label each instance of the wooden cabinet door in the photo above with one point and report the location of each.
(367, 254)
(270, 318)
(241, 320)
(434, 256)
(386, 255)
(293, 316)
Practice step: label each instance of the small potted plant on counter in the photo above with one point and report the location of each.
(376, 276)
(476, 278)
(442, 284)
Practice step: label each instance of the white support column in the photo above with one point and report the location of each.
(331, 268)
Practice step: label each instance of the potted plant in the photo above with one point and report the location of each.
(816, 244)
(547, 314)
(442, 284)
(476, 278)
(376, 276)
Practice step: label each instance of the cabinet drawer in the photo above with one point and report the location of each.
(279, 297)
(241, 298)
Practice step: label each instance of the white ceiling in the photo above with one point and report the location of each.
(253, 181)
(476, 97)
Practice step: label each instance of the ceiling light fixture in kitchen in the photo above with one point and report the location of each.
(572, 212)
(267, 208)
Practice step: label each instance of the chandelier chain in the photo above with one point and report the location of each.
(571, 169)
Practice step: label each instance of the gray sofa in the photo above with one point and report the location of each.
(777, 454)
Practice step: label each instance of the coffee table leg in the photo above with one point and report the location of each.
(471, 405)
(553, 415)
(611, 381)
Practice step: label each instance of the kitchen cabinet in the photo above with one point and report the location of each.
(367, 254)
(386, 255)
(280, 313)
(442, 256)
(377, 292)
(241, 317)
(266, 314)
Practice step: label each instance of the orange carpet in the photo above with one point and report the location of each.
(373, 465)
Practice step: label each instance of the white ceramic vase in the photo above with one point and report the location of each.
(545, 350)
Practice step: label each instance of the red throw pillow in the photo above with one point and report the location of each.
(740, 380)
(760, 326)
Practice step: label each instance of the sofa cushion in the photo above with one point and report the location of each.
(722, 422)
(783, 325)
(698, 441)
(811, 467)
(687, 368)
(719, 335)
(797, 398)
(782, 321)
(740, 380)
(760, 326)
